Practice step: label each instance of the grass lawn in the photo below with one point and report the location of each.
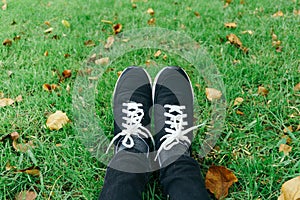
(253, 130)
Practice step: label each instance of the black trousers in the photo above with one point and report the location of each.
(180, 180)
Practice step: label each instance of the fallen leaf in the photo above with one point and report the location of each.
(47, 87)
(47, 23)
(46, 53)
(247, 31)
(65, 23)
(157, 54)
(274, 37)
(57, 120)
(49, 30)
(297, 88)
(89, 43)
(288, 129)
(17, 38)
(4, 7)
(1, 94)
(119, 73)
(34, 171)
(197, 14)
(8, 166)
(296, 12)
(278, 14)
(106, 21)
(262, 91)
(26, 195)
(238, 101)
(68, 88)
(6, 102)
(67, 73)
(165, 57)
(151, 21)
(150, 11)
(19, 98)
(7, 42)
(134, 6)
(239, 112)
(286, 149)
(290, 190)
(109, 42)
(298, 128)
(234, 40)
(66, 55)
(22, 147)
(14, 135)
(212, 94)
(230, 25)
(102, 61)
(287, 139)
(218, 180)
(117, 28)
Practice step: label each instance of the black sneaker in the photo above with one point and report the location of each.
(173, 114)
(132, 100)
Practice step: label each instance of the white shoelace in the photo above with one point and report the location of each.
(176, 132)
(132, 126)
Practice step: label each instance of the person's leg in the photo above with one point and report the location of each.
(127, 173)
(173, 114)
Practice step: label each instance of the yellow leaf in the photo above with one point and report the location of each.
(150, 11)
(157, 54)
(213, 94)
(238, 101)
(290, 190)
(117, 28)
(109, 42)
(278, 14)
(286, 149)
(262, 91)
(151, 21)
(49, 30)
(6, 102)
(57, 120)
(26, 195)
(230, 25)
(66, 23)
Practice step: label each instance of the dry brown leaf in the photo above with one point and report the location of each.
(230, 25)
(290, 190)
(165, 57)
(6, 102)
(4, 6)
(288, 129)
(47, 87)
(197, 14)
(150, 11)
(57, 120)
(117, 28)
(218, 180)
(22, 147)
(19, 98)
(7, 42)
(262, 91)
(49, 30)
(238, 101)
(46, 53)
(65, 23)
(151, 21)
(134, 6)
(47, 23)
(89, 43)
(8, 166)
(66, 55)
(67, 73)
(298, 128)
(296, 12)
(278, 14)
(213, 94)
(234, 40)
(239, 112)
(157, 54)
(34, 171)
(297, 88)
(102, 61)
(17, 38)
(247, 31)
(286, 149)
(109, 42)
(119, 73)
(274, 37)
(26, 195)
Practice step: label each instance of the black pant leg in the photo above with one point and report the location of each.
(182, 180)
(124, 185)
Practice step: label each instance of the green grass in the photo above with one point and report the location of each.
(249, 143)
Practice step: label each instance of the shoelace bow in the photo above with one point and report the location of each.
(176, 132)
(132, 126)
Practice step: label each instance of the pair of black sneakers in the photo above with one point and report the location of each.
(170, 100)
